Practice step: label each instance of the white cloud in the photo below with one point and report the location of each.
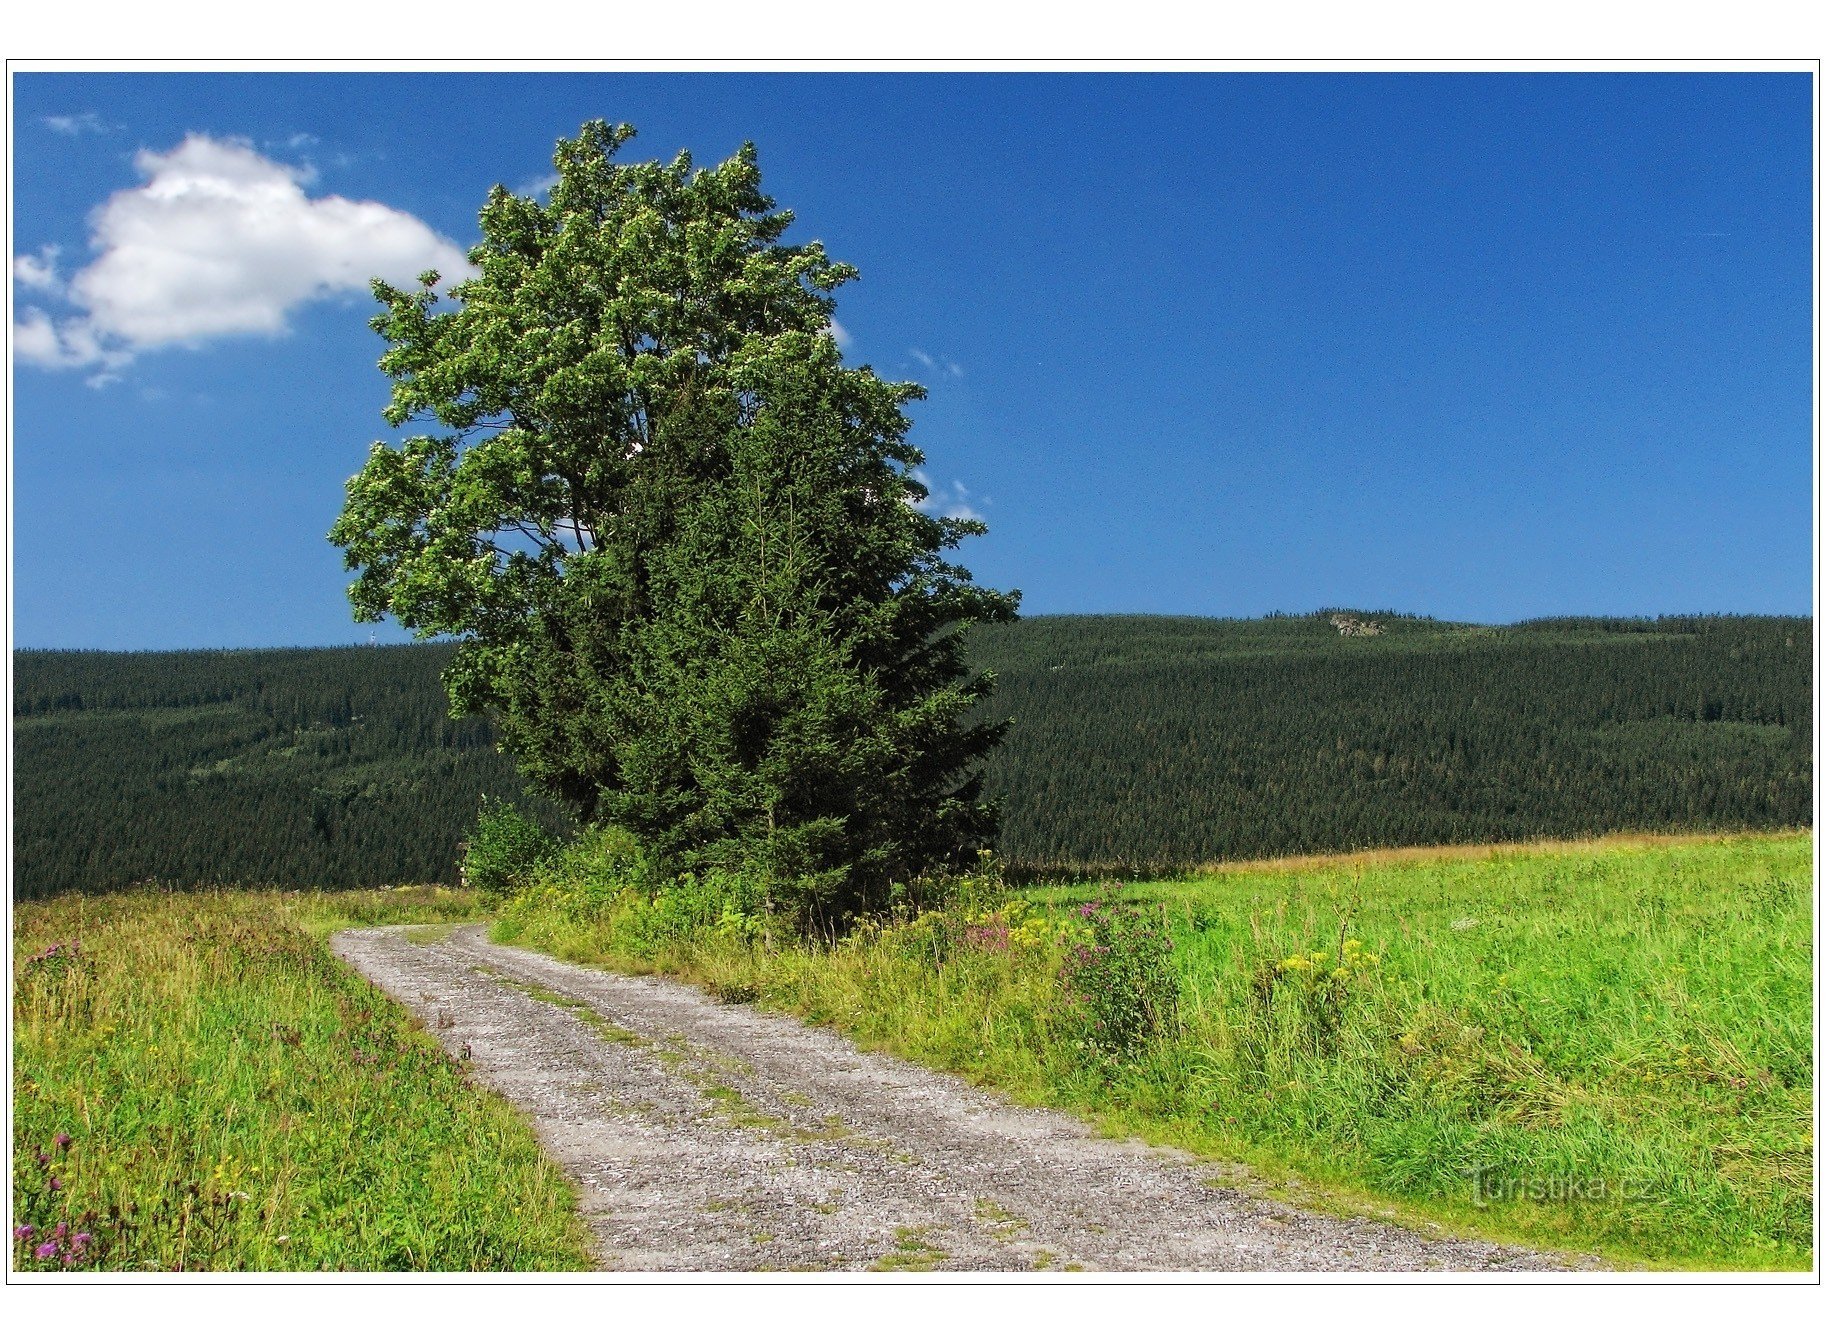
(221, 241)
(934, 364)
(82, 123)
(69, 344)
(839, 333)
(957, 502)
(38, 272)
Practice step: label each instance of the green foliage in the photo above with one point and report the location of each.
(199, 1084)
(327, 768)
(1119, 989)
(678, 538)
(1139, 742)
(595, 894)
(1603, 1046)
(1306, 994)
(505, 848)
(1149, 744)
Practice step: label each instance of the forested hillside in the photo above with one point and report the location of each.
(1138, 741)
(1149, 740)
(291, 767)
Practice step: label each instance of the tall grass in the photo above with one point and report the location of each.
(200, 1084)
(1603, 1048)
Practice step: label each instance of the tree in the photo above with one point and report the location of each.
(677, 538)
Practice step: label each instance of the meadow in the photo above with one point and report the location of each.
(200, 1085)
(1604, 1047)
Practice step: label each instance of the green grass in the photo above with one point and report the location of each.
(235, 1098)
(1601, 1047)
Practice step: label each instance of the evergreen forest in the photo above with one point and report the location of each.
(1139, 743)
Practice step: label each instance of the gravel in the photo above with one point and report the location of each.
(715, 1137)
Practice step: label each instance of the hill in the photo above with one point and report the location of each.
(1147, 741)
(1138, 742)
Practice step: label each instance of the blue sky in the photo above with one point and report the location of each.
(1477, 346)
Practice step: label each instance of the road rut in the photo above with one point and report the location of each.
(711, 1136)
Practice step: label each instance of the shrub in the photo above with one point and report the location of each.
(505, 849)
(1118, 986)
(717, 905)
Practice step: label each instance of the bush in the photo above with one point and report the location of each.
(602, 887)
(1119, 989)
(505, 849)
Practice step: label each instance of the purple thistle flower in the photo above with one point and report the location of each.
(81, 1240)
(46, 1251)
(56, 1184)
(63, 1230)
(62, 1140)
(23, 1232)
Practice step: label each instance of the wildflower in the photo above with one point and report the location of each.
(56, 1184)
(81, 1240)
(46, 1251)
(62, 1140)
(23, 1232)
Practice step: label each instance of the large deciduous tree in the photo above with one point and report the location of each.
(677, 538)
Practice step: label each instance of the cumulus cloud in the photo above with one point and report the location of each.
(220, 241)
(61, 345)
(957, 502)
(39, 271)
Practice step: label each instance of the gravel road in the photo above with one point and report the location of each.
(709, 1136)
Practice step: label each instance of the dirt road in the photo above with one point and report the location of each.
(707, 1136)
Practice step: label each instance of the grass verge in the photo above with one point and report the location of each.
(200, 1085)
(1604, 1048)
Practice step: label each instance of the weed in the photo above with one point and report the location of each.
(913, 1250)
(1118, 986)
(1002, 1225)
